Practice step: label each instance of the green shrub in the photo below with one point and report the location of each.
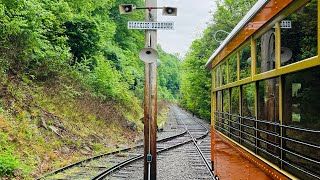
(8, 164)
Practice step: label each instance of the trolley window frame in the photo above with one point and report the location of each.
(277, 72)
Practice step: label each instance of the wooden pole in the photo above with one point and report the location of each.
(150, 100)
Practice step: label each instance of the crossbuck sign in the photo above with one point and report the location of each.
(150, 25)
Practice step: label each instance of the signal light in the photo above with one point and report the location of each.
(126, 8)
(169, 11)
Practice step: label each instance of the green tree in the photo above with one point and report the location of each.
(83, 38)
(169, 77)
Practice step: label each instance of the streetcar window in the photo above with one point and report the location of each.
(235, 124)
(268, 95)
(301, 94)
(214, 73)
(218, 113)
(218, 77)
(248, 94)
(299, 42)
(268, 111)
(296, 115)
(265, 52)
(245, 62)
(225, 100)
(248, 113)
(224, 73)
(219, 98)
(233, 69)
(235, 101)
(225, 111)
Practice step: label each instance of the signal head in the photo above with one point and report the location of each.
(169, 11)
(126, 8)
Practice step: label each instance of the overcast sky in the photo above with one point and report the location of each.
(189, 24)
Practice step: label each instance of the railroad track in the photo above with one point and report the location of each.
(202, 146)
(111, 165)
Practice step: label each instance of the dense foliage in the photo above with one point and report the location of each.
(169, 76)
(196, 80)
(44, 39)
(82, 52)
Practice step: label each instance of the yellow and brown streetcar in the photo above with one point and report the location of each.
(266, 94)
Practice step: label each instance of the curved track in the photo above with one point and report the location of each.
(99, 167)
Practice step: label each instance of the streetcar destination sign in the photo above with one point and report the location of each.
(150, 25)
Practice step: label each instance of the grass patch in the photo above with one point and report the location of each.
(10, 163)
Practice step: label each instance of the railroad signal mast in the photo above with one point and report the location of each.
(149, 56)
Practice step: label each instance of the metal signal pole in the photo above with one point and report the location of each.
(150, 100)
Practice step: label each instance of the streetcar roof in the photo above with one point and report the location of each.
(246, 19)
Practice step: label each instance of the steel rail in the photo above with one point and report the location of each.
(272, 123)
(131, 160)
(273, 134)
(106, 154)
(274, 145)
(115, 167)
(194, 140)
(267, 142)
(277, 157)
(122, 164)
(263, 140)
(250, 127)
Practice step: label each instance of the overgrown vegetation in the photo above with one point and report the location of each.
(71, 83)
(9, 163)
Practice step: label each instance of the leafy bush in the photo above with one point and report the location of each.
(8, 164)
(83, 38)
